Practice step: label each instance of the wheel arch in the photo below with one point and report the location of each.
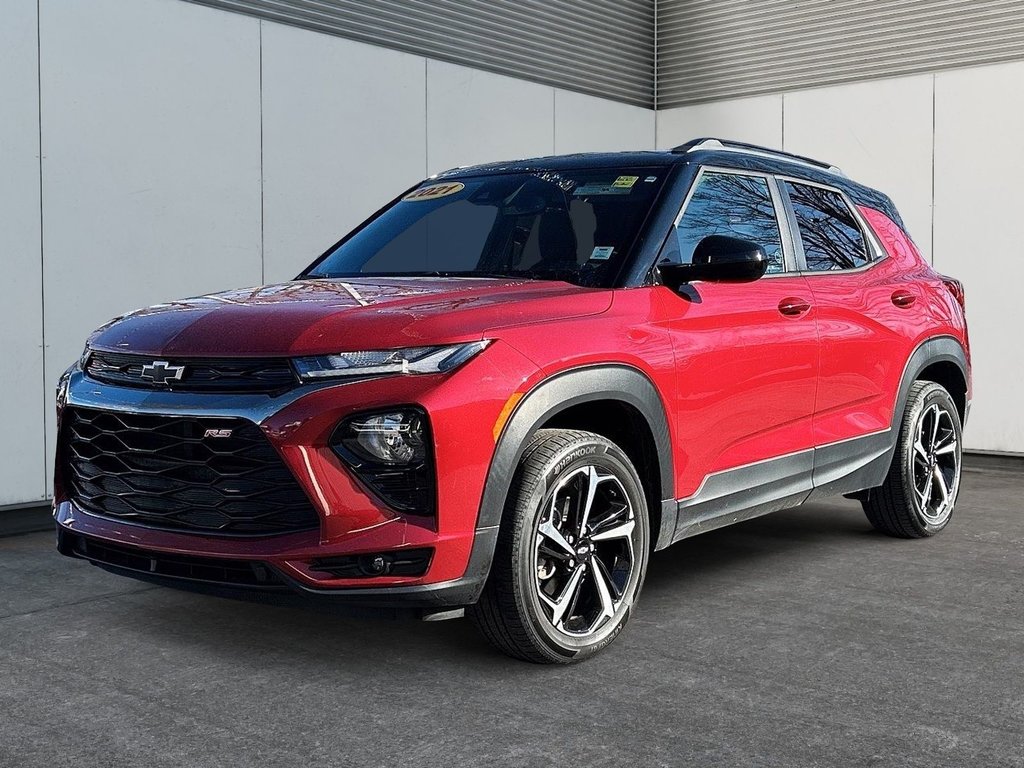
(941, 359)
(577, 399)
(951, 377)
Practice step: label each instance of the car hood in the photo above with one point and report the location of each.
(305, 317)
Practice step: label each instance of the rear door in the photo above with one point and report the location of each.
(746, 353)
(863, 306)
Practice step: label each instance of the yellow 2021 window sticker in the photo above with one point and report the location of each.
(435, 191)
(625, 182)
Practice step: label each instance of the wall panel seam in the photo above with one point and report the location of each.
(263, 204)
(42, 257)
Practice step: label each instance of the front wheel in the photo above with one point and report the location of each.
(919, 493)
(571, 553)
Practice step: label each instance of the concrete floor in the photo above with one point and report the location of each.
(794, 640)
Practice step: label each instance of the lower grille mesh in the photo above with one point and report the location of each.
(170, 472)
(203, 569)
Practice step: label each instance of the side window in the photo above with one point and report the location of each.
(728, 204)
(831, 237)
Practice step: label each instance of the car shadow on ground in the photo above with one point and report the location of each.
(798, 531)
(239, 629)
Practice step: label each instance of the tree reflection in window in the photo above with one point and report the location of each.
(733, 205)
(829, 232)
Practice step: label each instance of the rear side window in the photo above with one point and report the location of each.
(831, 237)
(728, 204)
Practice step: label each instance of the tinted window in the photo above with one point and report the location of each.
(830, 234)
(729, 204)
(575, 225)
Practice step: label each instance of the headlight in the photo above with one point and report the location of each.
(390, 438)
(390, 451)
(410, 360)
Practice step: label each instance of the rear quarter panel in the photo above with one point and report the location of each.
(867, 340)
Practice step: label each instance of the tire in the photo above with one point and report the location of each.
(550, 601)
(920, 490)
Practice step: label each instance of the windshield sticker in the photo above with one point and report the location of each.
(600, 189)
(649, 179)
(602, 253)
(435, 191)
(625, 182)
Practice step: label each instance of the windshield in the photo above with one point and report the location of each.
(576, 225)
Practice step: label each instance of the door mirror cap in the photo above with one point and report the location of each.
(718, 258)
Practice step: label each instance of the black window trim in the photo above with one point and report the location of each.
(877, 253)
(789, 244)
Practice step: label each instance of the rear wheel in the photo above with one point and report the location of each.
(919, 493)
(572, 551)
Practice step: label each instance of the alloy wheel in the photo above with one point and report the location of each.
(935, 464)
(586, 551)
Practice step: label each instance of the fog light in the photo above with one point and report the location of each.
(399, 562)
(374, 565)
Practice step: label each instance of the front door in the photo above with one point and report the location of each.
(746, 354)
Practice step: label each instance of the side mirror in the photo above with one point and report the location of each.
(718, 258)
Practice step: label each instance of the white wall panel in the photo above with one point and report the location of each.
(588, 124)
(478, 117)
(880, 133)
(343, 133)
(22, 473)
(151, 159)
(979, 157)
(756, 120)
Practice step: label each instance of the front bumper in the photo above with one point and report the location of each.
(265, 583)
(463, 408)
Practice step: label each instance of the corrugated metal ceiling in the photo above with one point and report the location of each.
(716, 49)
(600, 47)
(705, 49)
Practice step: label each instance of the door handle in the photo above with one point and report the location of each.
(903, 298)
(792, 306)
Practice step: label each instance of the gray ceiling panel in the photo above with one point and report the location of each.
(601, 47)
(704, 50)
(717, 49)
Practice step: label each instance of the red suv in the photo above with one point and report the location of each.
(512, 383)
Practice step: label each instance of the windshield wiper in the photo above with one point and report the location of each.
(430, 273)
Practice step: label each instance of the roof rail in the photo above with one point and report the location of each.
(725, 145)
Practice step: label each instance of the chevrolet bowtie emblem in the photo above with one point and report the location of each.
(162, 372)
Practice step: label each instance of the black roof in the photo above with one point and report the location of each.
(702, 151)
(568, 162)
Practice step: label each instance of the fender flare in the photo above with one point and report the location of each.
(557, 393)
(936, 349)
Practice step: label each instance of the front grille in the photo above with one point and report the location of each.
(241, 375)
(202, 474)
(246, 573)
